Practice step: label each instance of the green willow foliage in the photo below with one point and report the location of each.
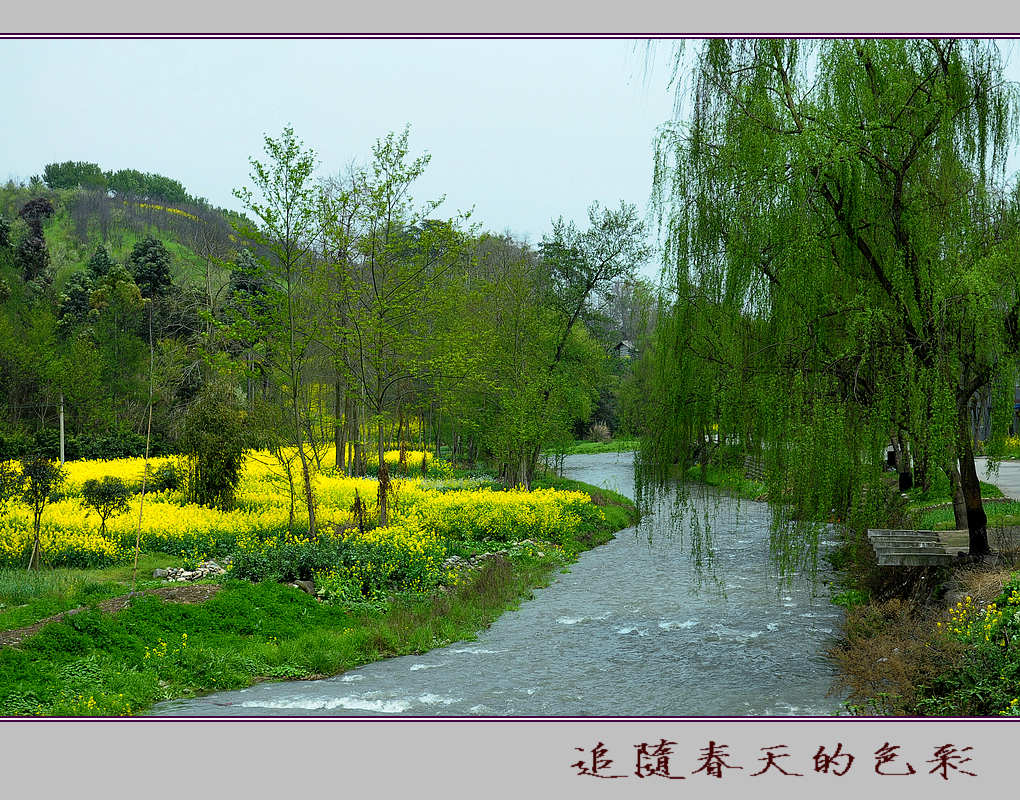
(838, 258)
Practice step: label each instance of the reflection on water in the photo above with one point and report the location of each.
(627, 632)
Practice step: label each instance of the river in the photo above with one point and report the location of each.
(626, 632)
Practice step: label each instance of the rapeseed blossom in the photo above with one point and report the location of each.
(407, 554)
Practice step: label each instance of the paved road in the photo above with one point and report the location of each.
(1008, 478)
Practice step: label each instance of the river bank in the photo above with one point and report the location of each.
(921, 641)
(935, 641)
(95, 662)
(631, 629)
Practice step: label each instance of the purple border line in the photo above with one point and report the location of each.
(526, 719)
(497, 36)
(481, 35)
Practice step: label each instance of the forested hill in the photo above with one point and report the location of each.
(139, 308)
(116, 209)
(80, 250)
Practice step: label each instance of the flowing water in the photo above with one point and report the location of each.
(626, 632)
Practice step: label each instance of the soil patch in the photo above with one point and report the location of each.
(184, 593)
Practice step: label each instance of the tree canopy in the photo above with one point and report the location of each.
(840, 275)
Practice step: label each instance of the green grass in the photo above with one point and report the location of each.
(940, 492)
(732, 479)
(942, 519)
(588, 448)
(27, 597)
(99, 664)
(918, 507)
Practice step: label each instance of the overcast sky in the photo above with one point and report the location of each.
(522, 130)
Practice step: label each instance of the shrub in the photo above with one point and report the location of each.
(986, 681)
(11, 481)
(107, 497)
(369, 564)
(14, 444)
(112, 443)
(850, 598)
(166, 477)
(213, 439)
(886, 658)
(286, 561)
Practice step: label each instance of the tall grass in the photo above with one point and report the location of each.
(18, 586)
(26, 597)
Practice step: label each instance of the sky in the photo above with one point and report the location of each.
(521, 131)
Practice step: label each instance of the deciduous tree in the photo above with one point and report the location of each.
(837, 274)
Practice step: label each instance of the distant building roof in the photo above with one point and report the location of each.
(625, 348)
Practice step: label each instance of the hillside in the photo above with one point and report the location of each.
(196, 234)
(73, 290)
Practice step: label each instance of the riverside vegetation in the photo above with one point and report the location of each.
(270, 385)
(381, 591)
(915, 641)
(840, 230)
(935, 641)
(839, 274)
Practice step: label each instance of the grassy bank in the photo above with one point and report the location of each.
(27, 597)
(730, 478)
(98, 663)
(589, 448)
(932, 641)
(933, 510)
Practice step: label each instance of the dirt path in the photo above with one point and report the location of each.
(183, 593)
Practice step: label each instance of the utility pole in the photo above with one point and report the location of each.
(61, 428)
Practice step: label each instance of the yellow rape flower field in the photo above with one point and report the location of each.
(409, 586)
(427, 513)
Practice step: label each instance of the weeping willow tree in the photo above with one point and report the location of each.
(837, 252)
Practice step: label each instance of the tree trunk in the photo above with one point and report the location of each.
(402, 443)
(358, 455)
(309, 495)
(290, 486)
(322, 418)
(959, 504)
(345, 435)
(517, 470)
(314, 445)
(33, 560)
(922, 473)
(903, 463)
(977, 521)
(339, 426)
(250, 380)
(384, 480)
